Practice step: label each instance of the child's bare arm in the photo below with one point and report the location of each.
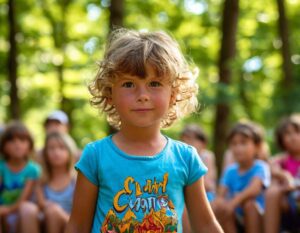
(84, 204)
(27, 191)
(201, 216)
(251, 191)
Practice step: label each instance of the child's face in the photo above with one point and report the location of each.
(141, 102)
(57, 153)
(55, 126)
(291, 139)
(17, 148)
(243, 148)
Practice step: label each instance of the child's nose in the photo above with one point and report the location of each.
(143, 94)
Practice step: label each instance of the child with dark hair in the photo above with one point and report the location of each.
(18, 175)
(193, 135)
(240, 194)
(283, 197)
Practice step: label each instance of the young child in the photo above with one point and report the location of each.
(55, 192)
(193, 135)
(57, 121)
(283, 197)
(18, 174)
(138, 180)
(240, 194)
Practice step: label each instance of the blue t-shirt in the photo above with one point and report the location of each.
(63, 198)
(13, 183)
(236, 181)
(139, 193)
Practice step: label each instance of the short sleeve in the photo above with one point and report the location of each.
(87, 164)
(196, 166)
(33, 171)
(262, 171)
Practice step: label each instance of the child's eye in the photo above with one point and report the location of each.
(155, 84)
(128, 84)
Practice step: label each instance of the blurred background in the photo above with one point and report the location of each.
(248, 53)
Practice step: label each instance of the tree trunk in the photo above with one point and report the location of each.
(285, 49)
(116, 19)
(14, 107)
(228, 47)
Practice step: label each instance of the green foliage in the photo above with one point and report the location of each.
(254, 93)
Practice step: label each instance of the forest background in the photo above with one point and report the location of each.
(248, 53)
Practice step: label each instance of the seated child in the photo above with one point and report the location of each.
(240, 194)
(18, 175)
(55, 191)
(193, 135)
(283, 197)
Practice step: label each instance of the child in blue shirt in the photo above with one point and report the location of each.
(18, 175)
(137, 180)
(241, 190)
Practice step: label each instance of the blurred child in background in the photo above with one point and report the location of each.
(193, 135)
(240, 194)
(55, 191)
(18, 175)
(263, 149)
(57, 121)
(284, 195)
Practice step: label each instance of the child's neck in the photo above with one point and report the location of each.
(295, 154)
(139, 134)
(60, 179)
(244, 166)
(140, 143)
(58, 172)
(16, 165)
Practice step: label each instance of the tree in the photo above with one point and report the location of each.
(12, 63)
(116, 17)
(58, 23)
(227, 53)
(285, 48)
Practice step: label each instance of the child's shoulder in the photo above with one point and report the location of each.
(260, 165)
(259, 162)
(2, 162)
(234, 167)
(99, 142)
(32, 165)
(277, 158)
(179, 145)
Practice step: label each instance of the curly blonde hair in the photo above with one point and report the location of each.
(128, 52)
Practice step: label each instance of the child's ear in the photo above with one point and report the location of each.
(173, 98)
(109, 100)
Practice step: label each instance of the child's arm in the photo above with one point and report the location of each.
(27, 191)
(281, 175)
(200, 213)
(253, 189)
(84, 205)
(40, 198)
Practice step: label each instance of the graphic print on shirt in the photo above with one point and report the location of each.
(148, 200)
